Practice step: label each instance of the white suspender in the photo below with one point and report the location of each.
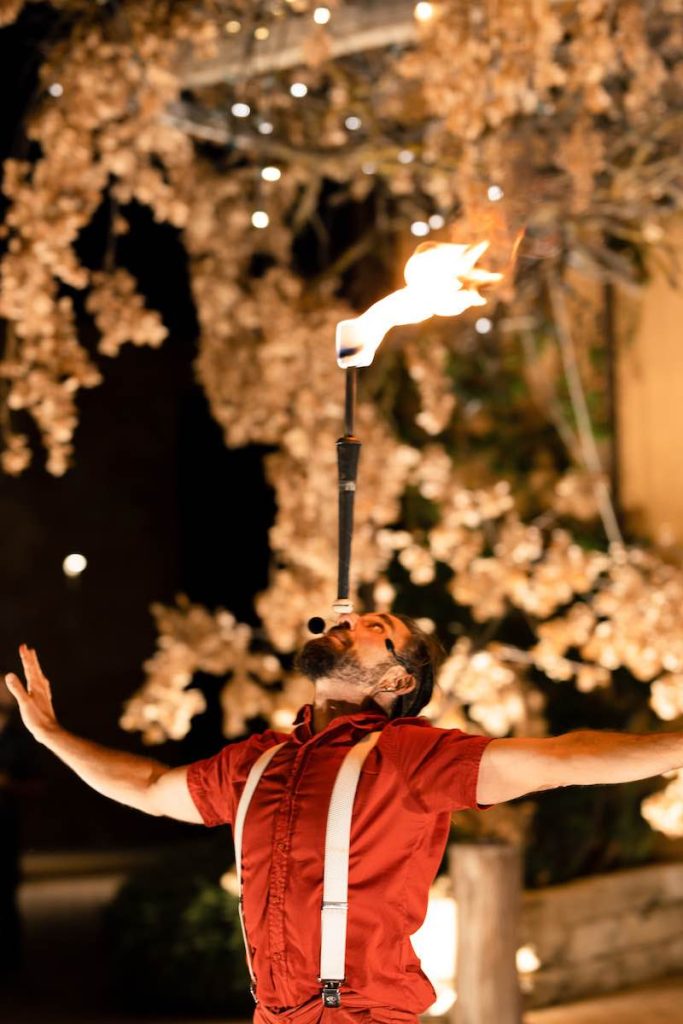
(255, 773)
(336, 869)
(336, 877)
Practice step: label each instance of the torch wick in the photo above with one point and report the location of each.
(350, 402)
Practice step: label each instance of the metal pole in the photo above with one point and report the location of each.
(348, 454)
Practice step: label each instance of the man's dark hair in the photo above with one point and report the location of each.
(422, 654)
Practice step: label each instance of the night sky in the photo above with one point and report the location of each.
(156, 503)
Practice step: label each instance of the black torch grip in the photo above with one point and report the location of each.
(348, 453)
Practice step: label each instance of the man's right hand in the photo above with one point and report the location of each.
(35, 700)
(139, 782)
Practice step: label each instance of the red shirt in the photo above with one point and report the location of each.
(411, 781)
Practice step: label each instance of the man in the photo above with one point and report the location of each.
(370, 672)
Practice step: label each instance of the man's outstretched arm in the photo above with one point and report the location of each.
(587, 757)
(139, 782)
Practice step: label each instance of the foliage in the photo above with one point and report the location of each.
(557, 139)
(174, 939)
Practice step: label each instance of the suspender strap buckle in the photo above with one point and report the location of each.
(330, 992)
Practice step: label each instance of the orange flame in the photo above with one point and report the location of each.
(441, 280)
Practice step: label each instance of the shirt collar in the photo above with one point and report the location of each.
(359, 722)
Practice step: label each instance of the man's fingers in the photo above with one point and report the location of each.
(31, 665)
(13, 685)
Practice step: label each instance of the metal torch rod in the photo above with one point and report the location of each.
(348, 453)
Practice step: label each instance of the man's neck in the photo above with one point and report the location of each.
(326, 709)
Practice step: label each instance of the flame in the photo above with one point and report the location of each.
(441, 280)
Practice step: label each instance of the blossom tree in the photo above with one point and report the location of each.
(553, 134)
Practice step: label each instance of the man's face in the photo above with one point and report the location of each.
(354, 646)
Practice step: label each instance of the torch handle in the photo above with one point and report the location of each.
(348, 453)
(350, 400)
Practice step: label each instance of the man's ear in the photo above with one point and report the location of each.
(398, 680)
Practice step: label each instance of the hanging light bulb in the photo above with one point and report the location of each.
(423, 12)
(73, 565)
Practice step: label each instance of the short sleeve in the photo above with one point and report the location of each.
(210, 782)
(440, 766)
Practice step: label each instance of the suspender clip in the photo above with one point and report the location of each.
(252, 989)
(330, 993)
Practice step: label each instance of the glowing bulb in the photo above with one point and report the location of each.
(424, 11)
(298, 89)
(260, 219)
(436, 221)
(73, 565)
(321, 15)
(420, 228)
(483, 325)
(232, 27)
(240, 110)
(353, 123)
(271, 173)
(261, 32)
(368, 168)
(56, 89)
(265, 128)
(405, 157)
(527, 959)
(494, 193)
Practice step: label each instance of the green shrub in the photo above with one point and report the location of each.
(174, 939)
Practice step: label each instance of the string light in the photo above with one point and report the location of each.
(298, 89)
(240, 110)
(56, 89)
(265, 128)
(271, 173)
(494, 193)
(368, 168)
(483, 325)
(436, 221)
(260, 219)
(321, 15)
(419, 228)
(353, 123)
(73, 565)
(262, 32)
(405, 156)
(232, 27)
(424, 11)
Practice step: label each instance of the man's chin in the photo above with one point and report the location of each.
(318, 657)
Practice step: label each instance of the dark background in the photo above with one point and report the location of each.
(156, 503)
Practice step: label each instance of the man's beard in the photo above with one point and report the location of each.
(322, 656)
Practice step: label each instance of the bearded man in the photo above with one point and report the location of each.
(371, 673)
